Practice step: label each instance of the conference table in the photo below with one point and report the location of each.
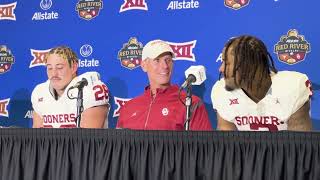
(84, 154)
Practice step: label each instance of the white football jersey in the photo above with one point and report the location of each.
(289, 92)
(62, 113)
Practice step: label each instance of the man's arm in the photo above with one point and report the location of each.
(225, 125)
(122, 117)
(37, 120)
(300, 120)
(200, 119)
(95, 117)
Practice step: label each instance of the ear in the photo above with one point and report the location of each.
(74, 67)
(144, 65)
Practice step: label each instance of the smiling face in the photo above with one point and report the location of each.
(159, 70)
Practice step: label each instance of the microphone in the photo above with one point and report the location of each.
(80, 84)
(195, 75)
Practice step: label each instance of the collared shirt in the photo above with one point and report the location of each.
(163, 111)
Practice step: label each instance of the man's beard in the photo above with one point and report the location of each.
(230, 85)
(229, 88)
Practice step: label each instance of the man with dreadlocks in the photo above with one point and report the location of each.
(253, 96)
(55, 102)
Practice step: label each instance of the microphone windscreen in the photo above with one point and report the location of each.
(199, 72)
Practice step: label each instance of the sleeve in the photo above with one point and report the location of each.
(35, 100)
(122, 117)
(218, 98)
(200, 119)
(124, 112)
(215, 95)
(301, 94)
(96, 94)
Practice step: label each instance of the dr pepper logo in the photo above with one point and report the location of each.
(6, 59)
(292, 48)
(131, 54)
(236, 4)
(89, 9)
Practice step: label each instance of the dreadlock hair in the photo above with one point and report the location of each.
(64, 52)
(250, 54)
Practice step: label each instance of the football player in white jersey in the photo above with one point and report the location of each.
(51, 101)
(253, 96)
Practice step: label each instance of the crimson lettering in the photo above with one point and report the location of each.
(38, 57)
(3, 107)
(6, 11)
(101, 93)
(183, 51)
(133, 4)
(243, 120)
(257, 122)
(59, 118)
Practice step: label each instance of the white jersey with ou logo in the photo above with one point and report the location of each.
(62, 113)
(288, 93)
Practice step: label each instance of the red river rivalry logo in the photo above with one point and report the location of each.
(292, 48)
(131, 54)
(120, 102)
(6, 59)
(89, 9)
(236, 4)
(38, 57)
(133, 4)
(7, 11)
(3, 107)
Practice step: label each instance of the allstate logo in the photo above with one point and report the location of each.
(45, 4)
(86, 50)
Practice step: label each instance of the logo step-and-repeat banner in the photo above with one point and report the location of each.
(108, 37)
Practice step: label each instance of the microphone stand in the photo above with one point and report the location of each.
(79, 105)
(188, 107)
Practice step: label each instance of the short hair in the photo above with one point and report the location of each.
(250, 54)
(64, 52)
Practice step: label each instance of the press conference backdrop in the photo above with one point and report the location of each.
(108, 37)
